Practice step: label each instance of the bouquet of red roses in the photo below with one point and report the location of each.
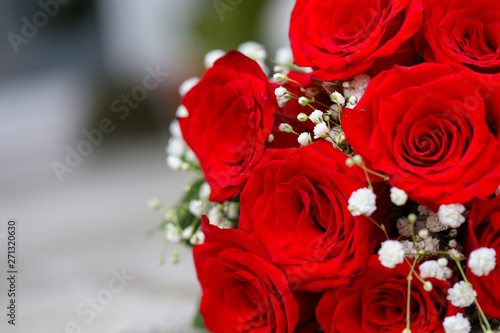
(356, 189)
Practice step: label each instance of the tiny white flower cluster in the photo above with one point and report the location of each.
(451, 215)
(354, 90)
(398, 196)
(391, 253)
(437, 269)
(461, 295)
(457, 324)
(282, 96)
(251, 49)
(482, 261)
(179, 155)
(362, 202)
(222, 215)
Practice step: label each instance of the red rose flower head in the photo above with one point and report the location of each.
(295, 205)
(231, 114)
(243, 291)
(342, 38)
(463, 33)
(435, 133)
(375, 301)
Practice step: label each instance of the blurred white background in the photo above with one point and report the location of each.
(60, 79)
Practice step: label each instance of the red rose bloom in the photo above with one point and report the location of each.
(342, 38)
(243, 291)
(375, 301)
(434, 132)
(295, 205)
(231, 114)
(463, 33)
(484, 231)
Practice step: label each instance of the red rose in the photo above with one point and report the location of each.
(375, 301)
(342, 38)
(231, 113)
(463, 33)
(434, 132)
(243, 291)
(295, 205)
(484, 231)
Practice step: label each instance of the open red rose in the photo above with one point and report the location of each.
(231, 114)
(375, 301)
(295, 205)
(433, 132)
(243, 291)
(463, 33)
(342, 38)
(484, 231)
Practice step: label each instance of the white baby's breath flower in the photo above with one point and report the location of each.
(175, 129)
(282, 100)
(280, 91)
(188, 85)
(303, 101)
(433, 223)
(456, 253)
(174, 162)
(253, 50)
(430, 244)
(321, 130)
(278, 77)
(391, 253)
(482, 261)
(175, 146)
(362, 201)
(337, 98)
(461, 295)
(190, 156)
(182, 112)
(424, 233)
(316, 116)
(285, 128)
(215, 216)
(456, 324)
(451, 215)
(432, 269)
(188, 232)
(398, 196)
(205, 190)
(305, 139)
(196, 207)
(409, 248)
(212, 56)
(284, 56)
(360, 81)
(197, 238)
(173, 233)
(404, 227)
